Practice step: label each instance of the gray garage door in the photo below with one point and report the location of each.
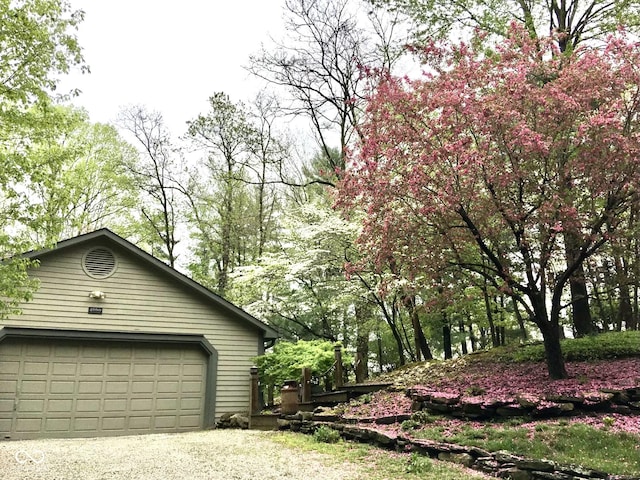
(73, 388)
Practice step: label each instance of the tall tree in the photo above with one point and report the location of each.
(156, 173)
(38, 44)
(570, 21)
(478, 153)
(80, 183)
(319, 65)
(225, 135)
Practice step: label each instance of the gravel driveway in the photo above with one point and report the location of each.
(215, 454)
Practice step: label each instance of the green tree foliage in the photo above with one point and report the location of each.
(486, 154)
(571, 21)
(301, 288)
(287, 360)
(37, 43)
(231, 199)
(79, 182)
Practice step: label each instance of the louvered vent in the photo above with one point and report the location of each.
(99, 263)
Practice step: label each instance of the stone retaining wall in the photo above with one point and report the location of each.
(499, 464)
(482, 408)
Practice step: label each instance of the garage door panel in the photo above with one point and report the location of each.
(118, 369)
(169, 370)
(62, 387)
(35, 368)
(93, 388)
(116, 387)
(91, 369)
(189, 421)
(66, 351)
(142, 387)
(86, 424)
(113, 423)
(192, 387)
(36, 350)
(165, 422)
(9, 368)
(90, 387)
(64, 368)
(6, 405)
(9, 387)
(115, 405)
(141, 404)
(191, 403)
(94, 352)
(168, 387)
(34, 386)
(141, 370)
(140, 423)
(57, 424)
(58, 405)
(121, 353)
(28, 425)
(194, 369)
(88, 405)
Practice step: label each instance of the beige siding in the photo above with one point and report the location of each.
(139, 299)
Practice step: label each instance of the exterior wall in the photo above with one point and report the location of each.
(139, 299)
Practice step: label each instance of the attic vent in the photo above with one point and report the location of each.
(99, 263)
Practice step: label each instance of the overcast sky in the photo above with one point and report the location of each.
(167, 55)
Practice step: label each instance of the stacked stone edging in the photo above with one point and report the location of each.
(626, 401)
(500, 464)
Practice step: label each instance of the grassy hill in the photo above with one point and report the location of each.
(604, 440)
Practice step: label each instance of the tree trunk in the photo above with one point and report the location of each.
(380, 356)
(472, 338)
(362, 355)
(553, 350)
(520, 320)
(489, 312)
(420, 341)
(550, 329)
(446, 337)
(463, 342)
(624, 315)
(582, 321)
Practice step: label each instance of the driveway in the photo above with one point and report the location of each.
(212, 455)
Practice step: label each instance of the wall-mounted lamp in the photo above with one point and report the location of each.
(97, 294)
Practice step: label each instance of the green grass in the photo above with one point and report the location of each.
(377, 464)
(574, 443)
(595, 347)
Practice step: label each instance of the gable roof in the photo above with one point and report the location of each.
(107, 235)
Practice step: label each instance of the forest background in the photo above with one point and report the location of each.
(246, 204)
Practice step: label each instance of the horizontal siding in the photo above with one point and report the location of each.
(139, 299)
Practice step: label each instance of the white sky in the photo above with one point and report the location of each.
(169, 55)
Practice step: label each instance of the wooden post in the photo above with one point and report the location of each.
(306, 385)
(254, 404)
(338, 372)
(270, 388)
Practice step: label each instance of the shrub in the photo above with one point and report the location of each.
(475, 390)
(409, 425)
(422, 417)
(592, 347)
(326, 434)
(419, 464)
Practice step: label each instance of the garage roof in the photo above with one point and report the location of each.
(109, 237)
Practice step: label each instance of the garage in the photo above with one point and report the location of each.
(84, 386)
(116, 342)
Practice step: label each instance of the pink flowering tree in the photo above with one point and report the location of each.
(489, 160)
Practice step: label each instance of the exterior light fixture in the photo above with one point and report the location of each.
(97, 294)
